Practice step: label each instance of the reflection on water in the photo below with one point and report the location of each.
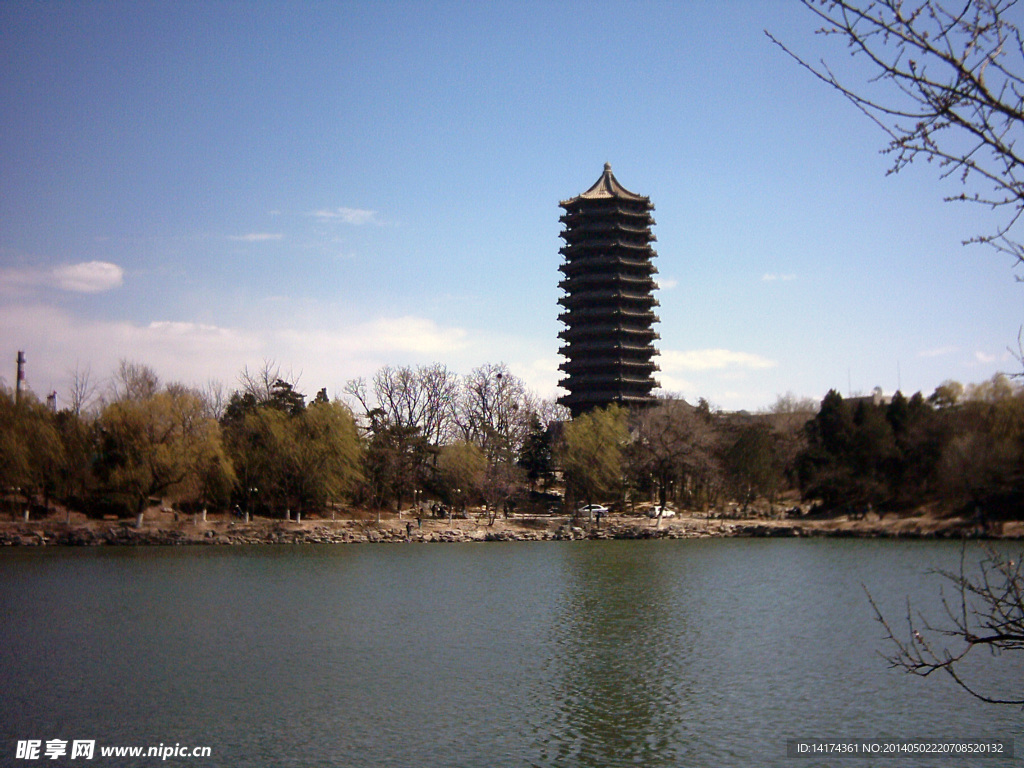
(658, 653)
(619, 663)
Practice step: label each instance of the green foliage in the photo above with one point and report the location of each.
(461, 472)
(753, 463)
(159, 444)
(289, 457)
(591, 454)
(31, 452)
(327, 454)
(535, 457)
(394, 463)
(964, 446)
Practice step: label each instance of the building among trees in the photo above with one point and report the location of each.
(609, 298)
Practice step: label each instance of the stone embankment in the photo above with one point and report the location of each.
(122, 533)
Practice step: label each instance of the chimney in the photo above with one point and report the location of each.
(21, 377)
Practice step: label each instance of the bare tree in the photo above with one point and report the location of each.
(549, 410)
(677, 446)
(261, 382)
(946, 85)
(986, 612)
(421, 399)
(441, 395)
(133, 381)
(215, 398)
(496, 409)
(83, 390)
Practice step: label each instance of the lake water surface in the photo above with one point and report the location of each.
(647, 653)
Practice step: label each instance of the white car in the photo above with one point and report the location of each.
(657, 510)
(593, 509)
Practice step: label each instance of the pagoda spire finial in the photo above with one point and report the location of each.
(607, 166)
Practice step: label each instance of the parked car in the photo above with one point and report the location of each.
(658, 510)
(593, 509)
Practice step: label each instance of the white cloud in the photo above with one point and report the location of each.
(84, 277)
(541, 375)
(257, 237)
(667, 283)
(770, 277)
(88, 277)
(354, 216)
(711, 359)
(325, 348)
(984, 357)
(379, 338)
(55, 341)
(673, 384)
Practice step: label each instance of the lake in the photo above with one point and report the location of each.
(710, 652)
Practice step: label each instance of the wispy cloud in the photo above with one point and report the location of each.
(667, 283)
(771, 277)
(711, 359)
(354, 216)
(257, 237)
(84, 277)
(938, 351)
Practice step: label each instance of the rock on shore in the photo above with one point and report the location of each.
(121, 533)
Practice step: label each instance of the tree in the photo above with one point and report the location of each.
(393, 462)
(82, 391)
(676, 448)
(947, 394)
(326, 458)
(462, 469)
(495, 411)
(408, 414)
(423, 398)
(987, 612)
(535, 455)
(982, 459)
(946, 85)
(31, 452)
(289, 455)
(753, 463)
(159, 444)
(591, 452)
(788, 417)
(259, 445)
(133, 381)
(664, 439)
(825, 467)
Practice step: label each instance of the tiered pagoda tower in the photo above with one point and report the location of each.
(609, 302)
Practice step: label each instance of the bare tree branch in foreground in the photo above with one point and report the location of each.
(945, 85)
(986, 612)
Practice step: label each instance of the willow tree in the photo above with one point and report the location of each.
(31, 452)
(159, 444)
(591, 453)
(291, 456)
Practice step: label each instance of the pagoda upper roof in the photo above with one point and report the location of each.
(606, 188)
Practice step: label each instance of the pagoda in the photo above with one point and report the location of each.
(609, 302)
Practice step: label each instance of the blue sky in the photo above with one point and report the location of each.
(339, 186)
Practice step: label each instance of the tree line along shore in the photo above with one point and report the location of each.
(262, 458)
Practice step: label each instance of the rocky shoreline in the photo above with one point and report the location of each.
(229, 533)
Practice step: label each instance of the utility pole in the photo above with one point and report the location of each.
(21, 377)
